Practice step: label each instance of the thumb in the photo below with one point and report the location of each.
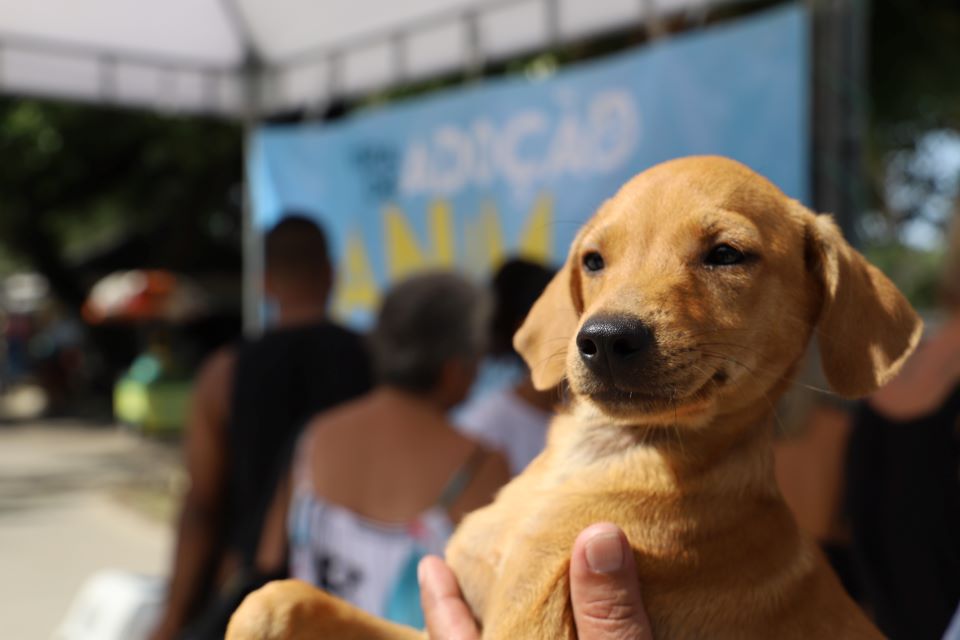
(447, 615)
(604, 587)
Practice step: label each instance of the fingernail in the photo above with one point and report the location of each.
(605, 552)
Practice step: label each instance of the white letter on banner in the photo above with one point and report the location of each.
(415, 175)
(615, 128)
(523, 125)
(568, 151)
(453, 161)
(483, 137)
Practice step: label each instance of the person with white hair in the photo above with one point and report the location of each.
(381, 482)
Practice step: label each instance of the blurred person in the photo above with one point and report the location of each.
(953, 631)
(513, 419)
(250, 403)
(903, 480)
(17, 332)
(56, 348)
(382, 481)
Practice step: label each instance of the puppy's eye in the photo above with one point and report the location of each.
(724, 255)
(593, 261)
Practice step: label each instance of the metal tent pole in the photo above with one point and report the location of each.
(838, 52)
(252, 242)
(251, 76)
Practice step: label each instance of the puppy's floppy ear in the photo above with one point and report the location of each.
(866, 327)
(544, 335)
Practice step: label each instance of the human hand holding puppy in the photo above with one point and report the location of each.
(604, 589)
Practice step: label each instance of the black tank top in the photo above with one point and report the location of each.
(903, 502)
(280, 381)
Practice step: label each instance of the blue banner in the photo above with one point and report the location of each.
(466, 177)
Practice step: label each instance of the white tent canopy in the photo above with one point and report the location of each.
(248, 57)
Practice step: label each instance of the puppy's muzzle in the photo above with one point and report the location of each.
(614, 347)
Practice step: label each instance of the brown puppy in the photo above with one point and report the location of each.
(678, 319)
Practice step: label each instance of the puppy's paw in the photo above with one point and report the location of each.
(281, 610)
(294, 610)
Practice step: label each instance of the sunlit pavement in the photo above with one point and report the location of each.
(74, 499)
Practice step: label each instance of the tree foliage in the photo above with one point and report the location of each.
(75, 177)
(914, 104)
(913, 138)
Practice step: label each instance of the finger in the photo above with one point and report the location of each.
(605, 588)
(447, 615)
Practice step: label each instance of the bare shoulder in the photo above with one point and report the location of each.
(328, 430)
(216, 371)
(212, 387)
(926, 380)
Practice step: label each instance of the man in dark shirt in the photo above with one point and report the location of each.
(250, 403)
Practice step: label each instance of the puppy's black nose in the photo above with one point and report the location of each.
(611, 341)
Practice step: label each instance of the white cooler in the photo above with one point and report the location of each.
(114, 605)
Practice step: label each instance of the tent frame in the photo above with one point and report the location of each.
(263, 74)
(837, 76)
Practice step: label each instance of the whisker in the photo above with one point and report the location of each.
(676, 427)
(776, 416)
(562, 353)
(765, 372)
(773, 408)
(728, 344)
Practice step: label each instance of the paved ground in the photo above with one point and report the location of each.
(74, 499)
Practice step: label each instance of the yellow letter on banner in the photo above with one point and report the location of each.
(356, 285)
(484, 240)
(404, 255)
(441, 233)
(535, 241)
